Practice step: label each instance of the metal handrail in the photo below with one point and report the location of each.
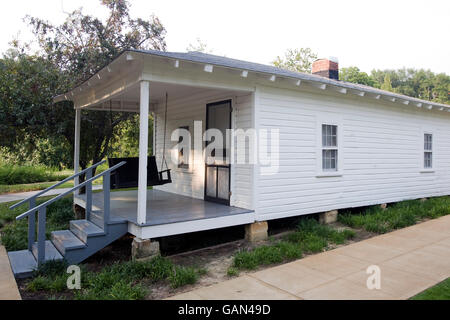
(48, 202)
(57, 184)
(42, 209)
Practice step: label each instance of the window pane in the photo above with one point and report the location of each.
(329, 160)
(428, 160)
(211, 177)
(329, 135)
(223, 183)
(428, 141)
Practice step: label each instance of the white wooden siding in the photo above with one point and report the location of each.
(242, 174)
(381, 153)
(183, 112)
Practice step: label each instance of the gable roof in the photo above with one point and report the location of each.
(219, 61)
(200, 57)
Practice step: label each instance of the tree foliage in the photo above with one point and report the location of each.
(27, 113)
(69, 53)
(423, 84)
(299, 60)
(199, 46)
(354, 75)
(83, 43)
(418, 83)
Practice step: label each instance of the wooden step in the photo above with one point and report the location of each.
(51, 253)
(84, 229)
(96, 217)
(65, 240)
(22, 263)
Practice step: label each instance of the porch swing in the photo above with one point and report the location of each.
(127, 176)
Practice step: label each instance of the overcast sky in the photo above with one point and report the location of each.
(368, 34)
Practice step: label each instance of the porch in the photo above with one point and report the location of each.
(188, 96)
(168, 213)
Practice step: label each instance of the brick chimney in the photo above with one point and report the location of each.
(328, 68)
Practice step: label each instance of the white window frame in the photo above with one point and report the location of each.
(334, 121)
(422, 153)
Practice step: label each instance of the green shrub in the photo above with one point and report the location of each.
(122, 280)
(51, 276)
(8, 215)
(310, 237)
(120, 290)
(313, 237)
(49, 284)
(14, 234)
(399, 215)
(60, 212)
(182, 276)
(266, 255)
(232, 272)
(52, 268)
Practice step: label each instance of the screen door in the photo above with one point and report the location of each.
(217, 176)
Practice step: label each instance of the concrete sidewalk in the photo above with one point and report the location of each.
(411, 260)
(8, 197)
(8, 285)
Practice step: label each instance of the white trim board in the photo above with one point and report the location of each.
(163, 230)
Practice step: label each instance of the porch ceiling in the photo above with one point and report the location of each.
(129, 99)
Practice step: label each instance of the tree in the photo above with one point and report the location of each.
(354, 75)
(83, 44)
(387, 85)
(299, 60)
(199, 46)
(27, 87)
(72, 52)
(441, 91)
(421, 83)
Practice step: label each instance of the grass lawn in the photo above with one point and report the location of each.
(399, 215)
(12, 174)
(31, 187)
(39, 186)
(310, 237)
(441, 291)
(15, 179)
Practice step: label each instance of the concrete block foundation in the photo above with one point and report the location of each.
(328, 217)
(256, 231)
(143, 249)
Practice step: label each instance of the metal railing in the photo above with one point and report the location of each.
(32, 200)
(42, 208)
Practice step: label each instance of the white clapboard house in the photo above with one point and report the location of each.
(340, 145)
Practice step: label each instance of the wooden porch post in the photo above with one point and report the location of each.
(143, 152)
(76, 153)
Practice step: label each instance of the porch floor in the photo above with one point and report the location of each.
(162, 207)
